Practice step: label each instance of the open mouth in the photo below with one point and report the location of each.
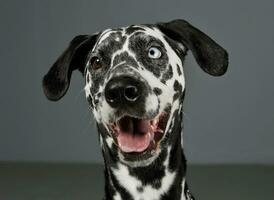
(139, 136)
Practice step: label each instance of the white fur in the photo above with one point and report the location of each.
(183, 197)
(117, 196)
(109, 141)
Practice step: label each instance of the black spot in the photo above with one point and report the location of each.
(88, 78)
(183, 95)
(176, 96)
(140, 189)
(168, 74)
(132, 29)
(177, 86)
(168, 108)
(96, 101)
(157, 91)
(179, 70)
(178, 90)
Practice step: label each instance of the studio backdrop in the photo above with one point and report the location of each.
(228, 119)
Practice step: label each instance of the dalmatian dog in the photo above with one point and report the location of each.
(135, 87)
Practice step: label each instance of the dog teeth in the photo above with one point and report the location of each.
(155, 121)
(159, 130)
(151, 136)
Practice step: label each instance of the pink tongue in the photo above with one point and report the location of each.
(128, 140)
(133, 143)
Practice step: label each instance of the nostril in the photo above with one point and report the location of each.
(131, 93)
(112, 95)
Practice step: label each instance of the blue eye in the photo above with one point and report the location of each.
(154, 53)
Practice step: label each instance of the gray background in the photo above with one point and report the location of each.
(229, 119)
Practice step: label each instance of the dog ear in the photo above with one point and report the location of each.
(211, 57)
(56, 81)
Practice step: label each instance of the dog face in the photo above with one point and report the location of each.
(133, 77)
(134, 82)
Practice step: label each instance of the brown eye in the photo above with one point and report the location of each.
(95, 63)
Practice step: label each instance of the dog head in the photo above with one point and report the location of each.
(134, 82)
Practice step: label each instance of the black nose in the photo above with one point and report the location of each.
(122, 90)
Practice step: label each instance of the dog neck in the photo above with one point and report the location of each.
(163, 179)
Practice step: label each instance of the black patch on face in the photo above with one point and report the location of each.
(157, 91)
(109, 46)
(179, 70)
(176, 96)
(178, 90)
(140, 43)
(168, 75)
(132, 29)
(130, 61)
(177, 86)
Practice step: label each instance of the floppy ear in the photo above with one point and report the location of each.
(56, 81)
(211, 57)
